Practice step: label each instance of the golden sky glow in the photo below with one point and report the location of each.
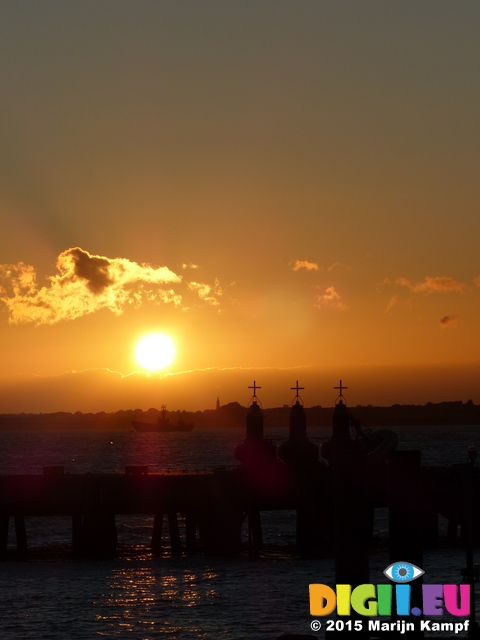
(273, 185)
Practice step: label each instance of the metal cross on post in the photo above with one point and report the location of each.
(254, 389)
(297, 389)
(341, 387)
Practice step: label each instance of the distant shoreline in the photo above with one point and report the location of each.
(232, 415)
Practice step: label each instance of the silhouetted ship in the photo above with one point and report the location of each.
(163, 424)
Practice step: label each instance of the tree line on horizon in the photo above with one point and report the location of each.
(232, 415)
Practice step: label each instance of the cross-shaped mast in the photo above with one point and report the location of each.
(255, 387)
(341, 388)
(297, 389)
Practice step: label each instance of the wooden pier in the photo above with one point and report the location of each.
(93, 501)
(214, 504)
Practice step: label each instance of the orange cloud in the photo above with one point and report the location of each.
(477, 281)
(385, 282)
(431, 285)
(206, 292)
(392, 303)
(339, 264)
(403, 282)
(85, 283)
(304, 264)
(330, 299)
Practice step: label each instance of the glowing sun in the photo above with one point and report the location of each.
(155, 352)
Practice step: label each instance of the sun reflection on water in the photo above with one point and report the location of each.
(144, 597)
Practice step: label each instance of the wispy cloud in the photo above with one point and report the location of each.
(383, 283)
(189, 266)
(84, 284)
(330, 299)
(305, 264)
(339, 264)
(206, 292)
(392, 303)
(446, 320)
(439, 284)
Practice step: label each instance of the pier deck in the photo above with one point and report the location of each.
(214, 502)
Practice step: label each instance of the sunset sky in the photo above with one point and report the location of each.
(287, 189)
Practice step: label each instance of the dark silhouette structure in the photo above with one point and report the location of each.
(298, 450)
(260, 471)
(308, 476)
(255, 453)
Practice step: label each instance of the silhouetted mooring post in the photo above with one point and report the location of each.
(257, 457)
(350, 507)
(350, 512)
(405, 519)
(255, 433)
(300, 457)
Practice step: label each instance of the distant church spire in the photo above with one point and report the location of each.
(217, 407)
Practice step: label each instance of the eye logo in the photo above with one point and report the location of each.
(403, 572)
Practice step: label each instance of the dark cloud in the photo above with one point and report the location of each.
(94, 269)
(446, 320)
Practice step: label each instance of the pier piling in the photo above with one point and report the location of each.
(157, 532)
(21, 533)
(255, 534)
(174, 531)
(99, 534)
(191, 534)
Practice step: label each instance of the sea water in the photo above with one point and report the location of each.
(137, 595)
